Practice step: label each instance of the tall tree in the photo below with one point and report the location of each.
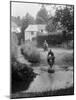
(66, 17)
(17, 20)
(51, 25)
(42, 16)
(28, 19)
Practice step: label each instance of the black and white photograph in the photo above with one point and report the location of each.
(41, 49)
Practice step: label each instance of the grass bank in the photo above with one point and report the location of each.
(61, 92)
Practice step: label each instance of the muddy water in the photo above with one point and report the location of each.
(45, 81)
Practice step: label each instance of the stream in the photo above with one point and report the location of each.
(62, 78)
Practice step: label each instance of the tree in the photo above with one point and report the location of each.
(66, 17)
(28, 19)
(51, 25)
(42, 16)
(17, 20)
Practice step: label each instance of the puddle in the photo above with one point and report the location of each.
(45, 81)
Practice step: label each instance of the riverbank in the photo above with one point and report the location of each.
(61, 92)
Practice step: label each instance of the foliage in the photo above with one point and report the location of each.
(51, 40)
(28, 19)
(67, 37)
(51, 26)
(63, 20)
(14, 46)
(71, 44)
(17, 20)
(56, 38)
(42, 16)
(19, 69)
(68, 59)
(66, 17)
(21, 75)
(30, 53)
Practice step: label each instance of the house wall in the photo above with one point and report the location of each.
(42, 29)
(15, 29)
(33, 35)
(27, 35)
(30, 35)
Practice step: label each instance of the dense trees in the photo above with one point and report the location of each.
(28, 19)
(17, 20)
(66, 17)
(63, 15)
(63, 19)
(42, 16)
(51, 25)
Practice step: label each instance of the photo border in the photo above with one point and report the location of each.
(10, 43)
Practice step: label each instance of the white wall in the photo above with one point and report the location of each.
(15, 29)
(29, 36)
(34, 35)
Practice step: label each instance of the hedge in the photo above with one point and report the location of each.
(53, 39)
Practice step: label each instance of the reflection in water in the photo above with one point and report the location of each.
(51, 81)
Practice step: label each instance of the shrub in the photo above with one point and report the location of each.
(71, 44)
(21, 75)
(51, 39)
(68, 59)
(14, 46)
(17, 69)
(30, 53)
(54, 38)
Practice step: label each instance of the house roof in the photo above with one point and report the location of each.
(35, 27)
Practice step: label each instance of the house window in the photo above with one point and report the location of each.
(32, 33)
(41, 30)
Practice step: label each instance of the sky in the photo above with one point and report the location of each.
(20, 9)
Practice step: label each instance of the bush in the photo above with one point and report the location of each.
(71, 44)
(54, 39)
(68, 59)
(30, 53)
(51, 39)
(18, 70)
(21, 75)
(13, 44)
